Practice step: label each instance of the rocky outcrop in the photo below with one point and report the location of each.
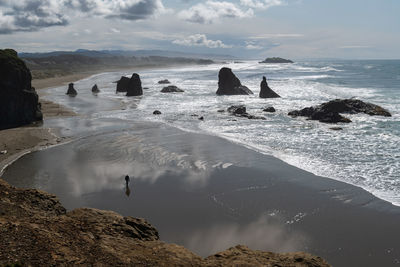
(36, 230)
(229, 84)
(71, 90)
(95, 89)
(134, 86)
(240, 111)
(274, 60)
(164, 82)
(171, 89)
(269, 109)
(265, 91)
(329, 112)
(156, 112)
(122, 84)
(19, 102)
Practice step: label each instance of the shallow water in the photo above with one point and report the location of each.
(365, 153)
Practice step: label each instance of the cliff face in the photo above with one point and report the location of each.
(19, 103)
(35, 229)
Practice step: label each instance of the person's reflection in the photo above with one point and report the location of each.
(127, 189)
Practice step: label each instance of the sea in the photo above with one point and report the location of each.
(365, 153)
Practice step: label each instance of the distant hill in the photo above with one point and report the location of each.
(274, 60)
(61, 63)
(127, 53)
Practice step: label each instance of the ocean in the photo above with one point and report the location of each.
(365, 153)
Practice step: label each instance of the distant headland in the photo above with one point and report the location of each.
(273, 60)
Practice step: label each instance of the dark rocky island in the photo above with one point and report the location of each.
(265, 91)
(229, 84)
(275, 60)
(95, 89)
(36, 230)
(171, 89)
(164, 82)
(135, 86)
(122, 84)
(19, 102)
(71, 90)
(240, 111)
(329, 112)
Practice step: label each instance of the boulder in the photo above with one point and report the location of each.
(19, 102)
(329, 112)
(229, 84)
(157, 112)
(134, 86)
(95, 89)
(164, 82)
(171, 89)
(122, 84)
(240, 111)
(265, 91)
(71, 90)
(269, 109)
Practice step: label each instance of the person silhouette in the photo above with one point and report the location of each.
(127, 179)
(127, 189)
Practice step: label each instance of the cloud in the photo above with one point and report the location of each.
(212, 11)
(355, 47)
(261, 4)
(277, 36)
(32, 15)
(252, 46)
(200, 40)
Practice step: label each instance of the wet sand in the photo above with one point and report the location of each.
(208, 194)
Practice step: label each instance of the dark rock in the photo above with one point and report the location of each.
(171, 89)
(274, 60)
(95, 89)
(164, 82)
(122, 84)
(71, 90)
(229, 84)
(329, 111)
(157, 112)
(237, 110)
(269, 109)
(201, 118)
(146, 88)
(19, 102)
(240, 111)
(134, 86)
(194, 115)
(265, 91)
(336, 128)
(221, 110)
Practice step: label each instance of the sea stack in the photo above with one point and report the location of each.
(122, 84)
(71, 90)
(229, 84)
(95, 89)
(19, 102)
(265, 91)
(134, 86)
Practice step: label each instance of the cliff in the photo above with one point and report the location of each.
(36, 230)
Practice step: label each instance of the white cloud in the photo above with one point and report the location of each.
(211, 11)
(200, 40)
(253, 47)
(31, 15)
(277, 36)
(262, 4)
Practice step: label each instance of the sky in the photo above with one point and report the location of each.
(296, 29)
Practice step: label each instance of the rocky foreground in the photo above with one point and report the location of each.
(36, 230)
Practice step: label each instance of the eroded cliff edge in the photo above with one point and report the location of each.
(36, 230)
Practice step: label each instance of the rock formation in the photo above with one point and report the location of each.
(122, 84)
(71, 90)
(95, 89)
(134, 86)
(274, 60)
(269, 109)
(157, 112)
(36, 230)
(329, 112)
(171, 89)
(229, 84)
(164, 82)
(19, 102)
(240, 111)
(265, 91)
